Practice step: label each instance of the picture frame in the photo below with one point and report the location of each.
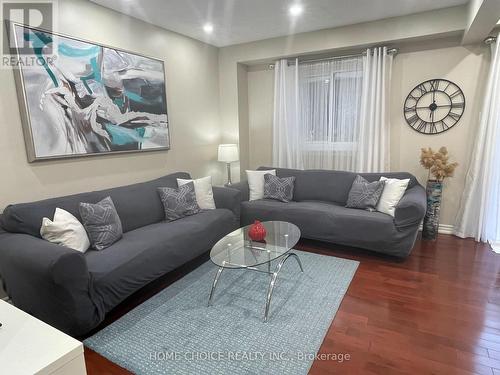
(91, 99)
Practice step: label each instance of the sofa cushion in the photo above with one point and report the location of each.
(324, 221)
(137, 205)
(277, 188)
(179, 202)
(203, 190)
(364, 194)
(255, 181)
(102, 223)
(394, 189)
(65, 230)
(147, 253)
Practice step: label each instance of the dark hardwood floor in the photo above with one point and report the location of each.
(436, 312)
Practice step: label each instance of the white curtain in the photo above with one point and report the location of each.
(479, 214)
(286, 132)
(325, 111)
(374, 137)
(329, 102)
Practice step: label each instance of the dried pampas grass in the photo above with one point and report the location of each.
(437, 163)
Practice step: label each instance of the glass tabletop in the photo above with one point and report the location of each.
(237, 250)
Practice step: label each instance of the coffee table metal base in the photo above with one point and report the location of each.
(272, 282)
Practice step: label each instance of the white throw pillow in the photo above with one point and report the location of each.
(65, 230)
(394, 190)
(202, 190)
(256, 183)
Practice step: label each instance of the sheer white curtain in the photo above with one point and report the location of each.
(479, 214)
(329, 102)
(374, 137)
(286, 131)
(325, 112)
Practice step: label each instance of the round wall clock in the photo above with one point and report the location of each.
(434, 106)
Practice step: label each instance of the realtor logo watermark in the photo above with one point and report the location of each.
(22, 44)
(244, 356)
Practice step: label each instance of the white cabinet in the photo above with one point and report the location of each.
(30, 346)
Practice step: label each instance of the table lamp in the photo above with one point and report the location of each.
(228, 153)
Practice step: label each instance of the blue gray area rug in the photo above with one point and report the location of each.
(175, 332)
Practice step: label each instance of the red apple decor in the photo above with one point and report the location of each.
(257, 231)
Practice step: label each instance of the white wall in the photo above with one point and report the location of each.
(193, 108)
(260, 115)
(466, 66)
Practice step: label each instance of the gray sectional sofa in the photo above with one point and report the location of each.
(318, 209)
(73, 291)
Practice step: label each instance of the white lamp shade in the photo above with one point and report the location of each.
(228, 153)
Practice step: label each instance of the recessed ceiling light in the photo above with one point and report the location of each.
(208, 28)
(296, 9)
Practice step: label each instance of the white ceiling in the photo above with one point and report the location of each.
(238, 21)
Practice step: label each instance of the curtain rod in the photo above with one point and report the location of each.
(390, 51)
(333, 58)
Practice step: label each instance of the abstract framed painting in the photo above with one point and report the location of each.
(81, 98)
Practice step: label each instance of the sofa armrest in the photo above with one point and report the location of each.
(229, 198)
(242, 186)
(411, 208)
(49, 281)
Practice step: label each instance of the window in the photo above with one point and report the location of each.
(330, 107)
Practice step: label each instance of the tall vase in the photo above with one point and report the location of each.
(434, 191)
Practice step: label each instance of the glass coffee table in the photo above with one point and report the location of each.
(237, 251)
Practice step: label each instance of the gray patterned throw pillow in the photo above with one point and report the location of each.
(102, 223)
(180, 202)
(364, 194)
(278, 188)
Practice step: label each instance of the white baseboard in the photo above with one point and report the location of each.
(443, 229)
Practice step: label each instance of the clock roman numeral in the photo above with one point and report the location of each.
(410, 109)
(433, 128)
(413, 119)
(421, 126)
(434, 84)
(443, 124)
(455, 93)
(413, 96)
(422, 88)
(454, 116)
(458, 105)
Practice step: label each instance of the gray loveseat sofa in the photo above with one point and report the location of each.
(318, 209)
(73, 291)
